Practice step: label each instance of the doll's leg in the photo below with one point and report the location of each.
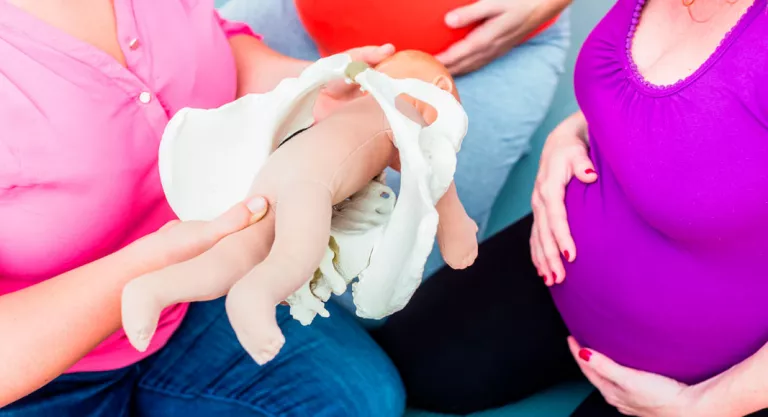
(302, 230)
(205, 277)
(456, 231)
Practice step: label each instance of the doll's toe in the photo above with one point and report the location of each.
(461, 258)
(274, 348)
(470, 259)
(270, 351)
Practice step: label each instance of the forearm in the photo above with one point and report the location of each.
(737, 392)
(48, 327)
(449, 207)
(259, 68)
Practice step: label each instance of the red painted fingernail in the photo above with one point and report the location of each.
(585, 355)
(554, 276)
(566, 255)
(589, 171)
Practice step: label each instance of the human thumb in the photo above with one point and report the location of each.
(375, 54)
(480, 10)
(371, 55)
(583, 169)
(239, 217)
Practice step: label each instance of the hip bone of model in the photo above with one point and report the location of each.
(332, 219)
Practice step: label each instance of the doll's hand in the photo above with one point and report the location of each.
(338, 92)
(505, 24)
(563, 157)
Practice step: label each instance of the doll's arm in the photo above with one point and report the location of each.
(205, 277)
(456, 231)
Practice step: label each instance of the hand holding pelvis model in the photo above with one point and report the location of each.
(331, 218)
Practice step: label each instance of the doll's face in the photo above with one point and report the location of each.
(422, 66)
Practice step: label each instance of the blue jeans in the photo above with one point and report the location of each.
(506, 101)
(331, 368)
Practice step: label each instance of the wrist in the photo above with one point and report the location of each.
(692, 401)
(546, 11)
(712, 398)
(574, 125)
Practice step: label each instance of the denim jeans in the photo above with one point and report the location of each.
(331, 368)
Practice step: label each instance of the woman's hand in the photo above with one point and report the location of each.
(77, 310)
(338, 92)
(179, 241)
(633, 392)
(505, 24)
(260, 69)
(563, 157)
(371, 55)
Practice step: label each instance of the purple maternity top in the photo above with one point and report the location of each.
(672, 268)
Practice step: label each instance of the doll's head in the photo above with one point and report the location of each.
(421, 66)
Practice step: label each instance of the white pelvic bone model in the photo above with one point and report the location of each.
(209, 158)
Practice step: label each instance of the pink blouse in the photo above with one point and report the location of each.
(79, 135)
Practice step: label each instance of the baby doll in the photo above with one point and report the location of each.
(304, 178)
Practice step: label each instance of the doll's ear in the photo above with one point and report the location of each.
(444, 83)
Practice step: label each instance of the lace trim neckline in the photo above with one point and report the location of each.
(664, 89)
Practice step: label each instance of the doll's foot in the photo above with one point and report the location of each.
(140, 313)
(252, 316)
(458, 243)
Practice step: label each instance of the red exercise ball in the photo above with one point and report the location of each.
(339, 25)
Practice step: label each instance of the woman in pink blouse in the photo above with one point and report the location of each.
(86, 89)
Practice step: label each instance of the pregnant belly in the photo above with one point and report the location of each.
(338, 25)
(636, 296)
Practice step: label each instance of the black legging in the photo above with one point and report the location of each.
(484, 337)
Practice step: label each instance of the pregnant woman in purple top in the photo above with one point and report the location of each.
(657, 258)
(670, 276)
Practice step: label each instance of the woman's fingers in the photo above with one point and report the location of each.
(553, 231)
(257, 207)
(341, 90)
(477, 11)
(582, 166)
(603, 385)
(554, 199)
(372, 55)
(553, 194)
(563, 157)
(237, 218)
(474, 51)
(550, 252)
(178, 241)
(536, 255)
(202, 235)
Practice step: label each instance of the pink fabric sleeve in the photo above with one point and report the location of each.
(233, 28)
